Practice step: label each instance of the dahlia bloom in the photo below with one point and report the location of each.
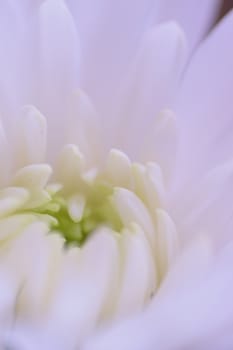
(116, 170)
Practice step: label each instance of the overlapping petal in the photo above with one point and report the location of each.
(130, 68)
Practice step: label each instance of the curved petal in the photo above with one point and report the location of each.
(208, 206)
(186, 310)
(110, 31)
(58, 64)
(195, 16)
(85, 290)
(204, 107)
(39, 62)
(138, 276)
(11, 47)
(129, 20)
(17, 46)
(149, 86)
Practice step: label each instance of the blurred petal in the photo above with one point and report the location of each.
(208, 206)
(150, 85)
(161, 142)
(32, 137)
(83, 128)
(5, 157)
(192, 312)
(138, 275)
(204, 107)
(58, 64)
(107, 53)
(194, 16)
(85, 290)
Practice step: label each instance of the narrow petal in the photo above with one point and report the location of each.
(197, 306)
(132, 210)
(32, 138)
(208, 208)
(5, 157)
(107, 53)
(85, 290)
(151, 84)
(167, 242)
(58, 62)
(138, 275)
(118, 168)
(70, 166)
(161, 142)
(7, 300)
(82, 127)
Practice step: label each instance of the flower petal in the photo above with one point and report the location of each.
(138, 275)
(208, 207)
(85, 290)
(82, 127)
(32, 138)
(58, 64)
(195, 17)
(191, 313)
(107, 53)
(204, 106)
(150, 85)
(5, 157)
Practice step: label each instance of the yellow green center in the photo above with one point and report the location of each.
(98, 211)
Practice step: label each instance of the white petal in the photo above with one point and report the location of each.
(5, 157)
(12, 85)
(208, 207)
(70, 166)
(149, 186)
(82, 127)
(30, 258)
(194, 16)
(168, 314)
(58, 46)
(204, 107)
(58, 60)
(8, 298)
(86, 289)
(12, 226)
(33, 176)
(118, 168)
(132, 210)
(138, 274)
(32, 137)
(76, 206)
(29, 336)
(107, 53)
(151, 84)
(11, 199)
(161, 142)
(167, 242)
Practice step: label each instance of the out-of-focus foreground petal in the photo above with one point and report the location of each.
(39, 62)
(191, 310)
(108, 54)
(204, 105)
(195, 17)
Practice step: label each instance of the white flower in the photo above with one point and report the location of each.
(116, 171)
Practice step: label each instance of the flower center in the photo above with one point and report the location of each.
(82, 199)
(81, 214)
(119, 239)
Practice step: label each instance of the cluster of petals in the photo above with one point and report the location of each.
(115, 175)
